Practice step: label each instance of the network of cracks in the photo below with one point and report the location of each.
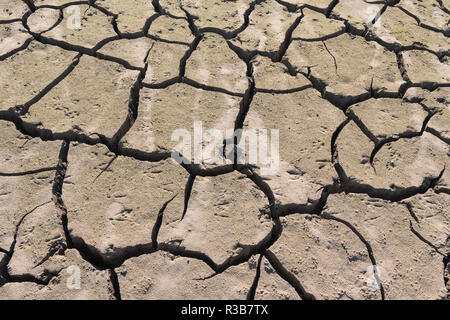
(358, 89)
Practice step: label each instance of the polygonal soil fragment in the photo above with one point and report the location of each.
(133, 51)
(431, 219)
(393, 162)
(274, 76)
(348, 65)
(164, 112)
(38, 238)
(315, 26)
(164, 276)
(396, 26)
(93, 284)
(68, 106)
(437, 99)
(24, 72)
(132, 16)
(354, 149)
(326, 257)
(164, 62)
(304, 132)
(423, 66)
(408, 268)
(118, 208)
(93, 26)
(43, 19)
(428, 11)
(224, 15)
(215, 64)
(438, 125)
(358, 12)
(269, 22)
(12, 9)
(12, 36)
(19, 192)
(426, 154)
(223, 214)
(388, 117)
(171, 30)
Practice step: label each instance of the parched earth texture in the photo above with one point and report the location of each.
(359, 91)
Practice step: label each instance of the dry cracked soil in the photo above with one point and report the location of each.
(93, 207)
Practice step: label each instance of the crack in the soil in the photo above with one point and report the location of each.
(366, 244)
(252, 291)
(422, 238)
(5, 275)
(115, 284)
(403, 135)
(289, 277)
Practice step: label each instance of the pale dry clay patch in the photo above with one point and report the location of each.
(289, 184)
(68, 106)
(358, 12)
(427, 154)
(348, 65)
(94, 27)
(24, 72)
(132, 16)
(399, 27)
(178, 107)
(428, 11)
(38, 234)
(12, 36)
(115, 205)
(134, 51)
(393, 162)
(430, 219)
(269, 22)
(141, 135)
(212, 55)
(12, 9)
(423, 66)
(314, 26)
(438, 124)
(325, 255)
(170, 29)
(306, 122)
(386, 226)
(21, 194)
(273, 76)
(161, 67)
(388, 117)
(163, 276)
(437, 101)
(227, 16)
(219, 220)
(43, 19)
(95, 284)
